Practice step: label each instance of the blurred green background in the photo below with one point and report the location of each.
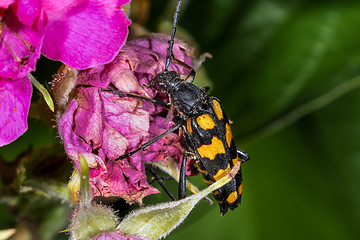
(288, 76)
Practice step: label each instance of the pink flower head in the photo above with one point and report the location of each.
(80, 33)
(102, 126)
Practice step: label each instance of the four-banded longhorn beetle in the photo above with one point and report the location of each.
(203, 126)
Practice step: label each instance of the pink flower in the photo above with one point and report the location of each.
(80, 33)
(102, 126)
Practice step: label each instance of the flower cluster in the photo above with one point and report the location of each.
(80, 33)
(101, 126)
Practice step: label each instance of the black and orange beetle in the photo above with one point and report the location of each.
(204, 127)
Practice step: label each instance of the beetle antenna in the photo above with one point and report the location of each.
(171, 42)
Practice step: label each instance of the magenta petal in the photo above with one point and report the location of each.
(28, 11)
(86, 33)
(88, 121)
(15, 98)
(18, 52)
(5, 3)
(74, 144)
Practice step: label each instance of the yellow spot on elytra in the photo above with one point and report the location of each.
(235, 160)
(216, 192)
(222, 172)
(228, 135)
(205, 121)
(232, 197)
(217, 109)
(240, 188)
(188, 125)
(210, 151)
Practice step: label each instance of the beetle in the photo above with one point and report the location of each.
(203, 126)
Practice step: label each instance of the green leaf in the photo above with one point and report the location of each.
(43, 91)
(158, 221)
